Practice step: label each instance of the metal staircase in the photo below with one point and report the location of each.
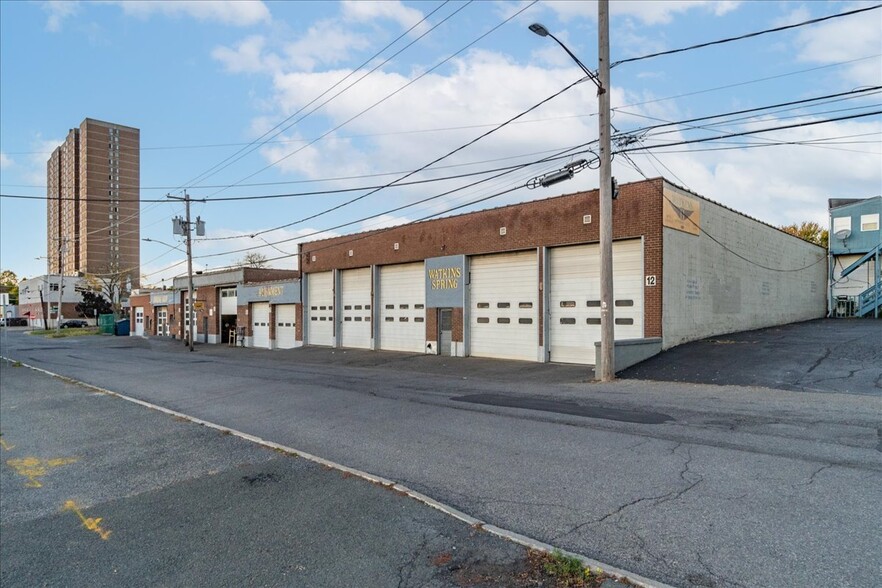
(869, 302)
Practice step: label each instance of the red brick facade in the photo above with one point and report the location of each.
(637, 212)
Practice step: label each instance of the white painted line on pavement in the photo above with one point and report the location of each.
(389, 484)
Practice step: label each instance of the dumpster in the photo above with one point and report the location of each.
(105, 323)
(121, 328)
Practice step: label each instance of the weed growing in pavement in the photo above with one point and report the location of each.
(564, 566)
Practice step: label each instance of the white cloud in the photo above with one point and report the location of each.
(6, 162)
(785, 183)
(247, 57)
(650, 12)
(325, 43)
(369, 10)
(799, 14)
(842, 40)
(34, 167)
(58, 11)
(384, 221)
(229, 12)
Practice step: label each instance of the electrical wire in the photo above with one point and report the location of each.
(748, 35)
(388, 96)
(257, 142)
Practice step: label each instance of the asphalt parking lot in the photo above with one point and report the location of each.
(692, 484)
(825, 355)
(101, 492)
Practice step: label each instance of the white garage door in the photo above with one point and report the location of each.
(260, 321)
(574, 298)
(504, 299)
(355, 327)
(402, 308)
(321, 309)
(286, 326)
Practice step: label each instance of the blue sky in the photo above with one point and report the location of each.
(203, 79)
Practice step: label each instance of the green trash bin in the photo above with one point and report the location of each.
(106, 323)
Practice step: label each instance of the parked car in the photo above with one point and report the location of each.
(14, 322)
(74, 324)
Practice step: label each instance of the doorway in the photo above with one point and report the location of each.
(445, 330)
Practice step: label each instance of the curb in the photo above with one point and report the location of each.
(516, 538)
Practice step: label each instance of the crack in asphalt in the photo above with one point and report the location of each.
(720, 578)
(405, 571)
(819, 360)
(657, 500)
(814, 474)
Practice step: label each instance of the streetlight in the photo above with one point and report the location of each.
(601, 80)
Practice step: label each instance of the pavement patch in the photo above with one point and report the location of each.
(566, 407)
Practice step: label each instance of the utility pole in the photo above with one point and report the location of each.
(606, 370)
(185, 227)
(60, 284)
(607, 320)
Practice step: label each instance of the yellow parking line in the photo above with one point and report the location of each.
(91, 523)
(34, 468)
(6, 446)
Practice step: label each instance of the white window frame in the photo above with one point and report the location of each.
(841, 223)
(870, 222)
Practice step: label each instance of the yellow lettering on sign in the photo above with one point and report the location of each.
(446, 278)
(33, 468)
(91, 523)
(269, 291)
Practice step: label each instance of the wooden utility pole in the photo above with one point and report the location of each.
(607, 320)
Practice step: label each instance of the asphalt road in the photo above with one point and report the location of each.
(102, 492)
(690, 484)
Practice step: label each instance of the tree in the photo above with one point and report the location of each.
(809, 231)
(112, 285)
(93, 304)
(10, 280)
(253, 259)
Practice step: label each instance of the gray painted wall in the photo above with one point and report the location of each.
(711, 291)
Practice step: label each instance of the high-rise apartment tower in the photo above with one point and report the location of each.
(93, 216)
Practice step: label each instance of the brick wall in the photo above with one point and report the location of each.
(549, 222)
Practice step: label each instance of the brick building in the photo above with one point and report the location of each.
(522, 281)
(93, 213)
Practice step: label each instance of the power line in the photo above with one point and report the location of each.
(324, 192)
(856, 92)
(753, 81)
(390, 95)
(710, 236)
(350, 223)
(256, 143)
(748, 35)
(445, 156)
(756, 131)
(641, 131)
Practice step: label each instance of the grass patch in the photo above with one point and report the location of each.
(61, 334)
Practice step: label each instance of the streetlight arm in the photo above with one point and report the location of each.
(543, 32)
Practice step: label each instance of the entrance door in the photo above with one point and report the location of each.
(321, 309)
(162, 322)
(139, 321)
(445, 330)
(228, 327)
(260, 318)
